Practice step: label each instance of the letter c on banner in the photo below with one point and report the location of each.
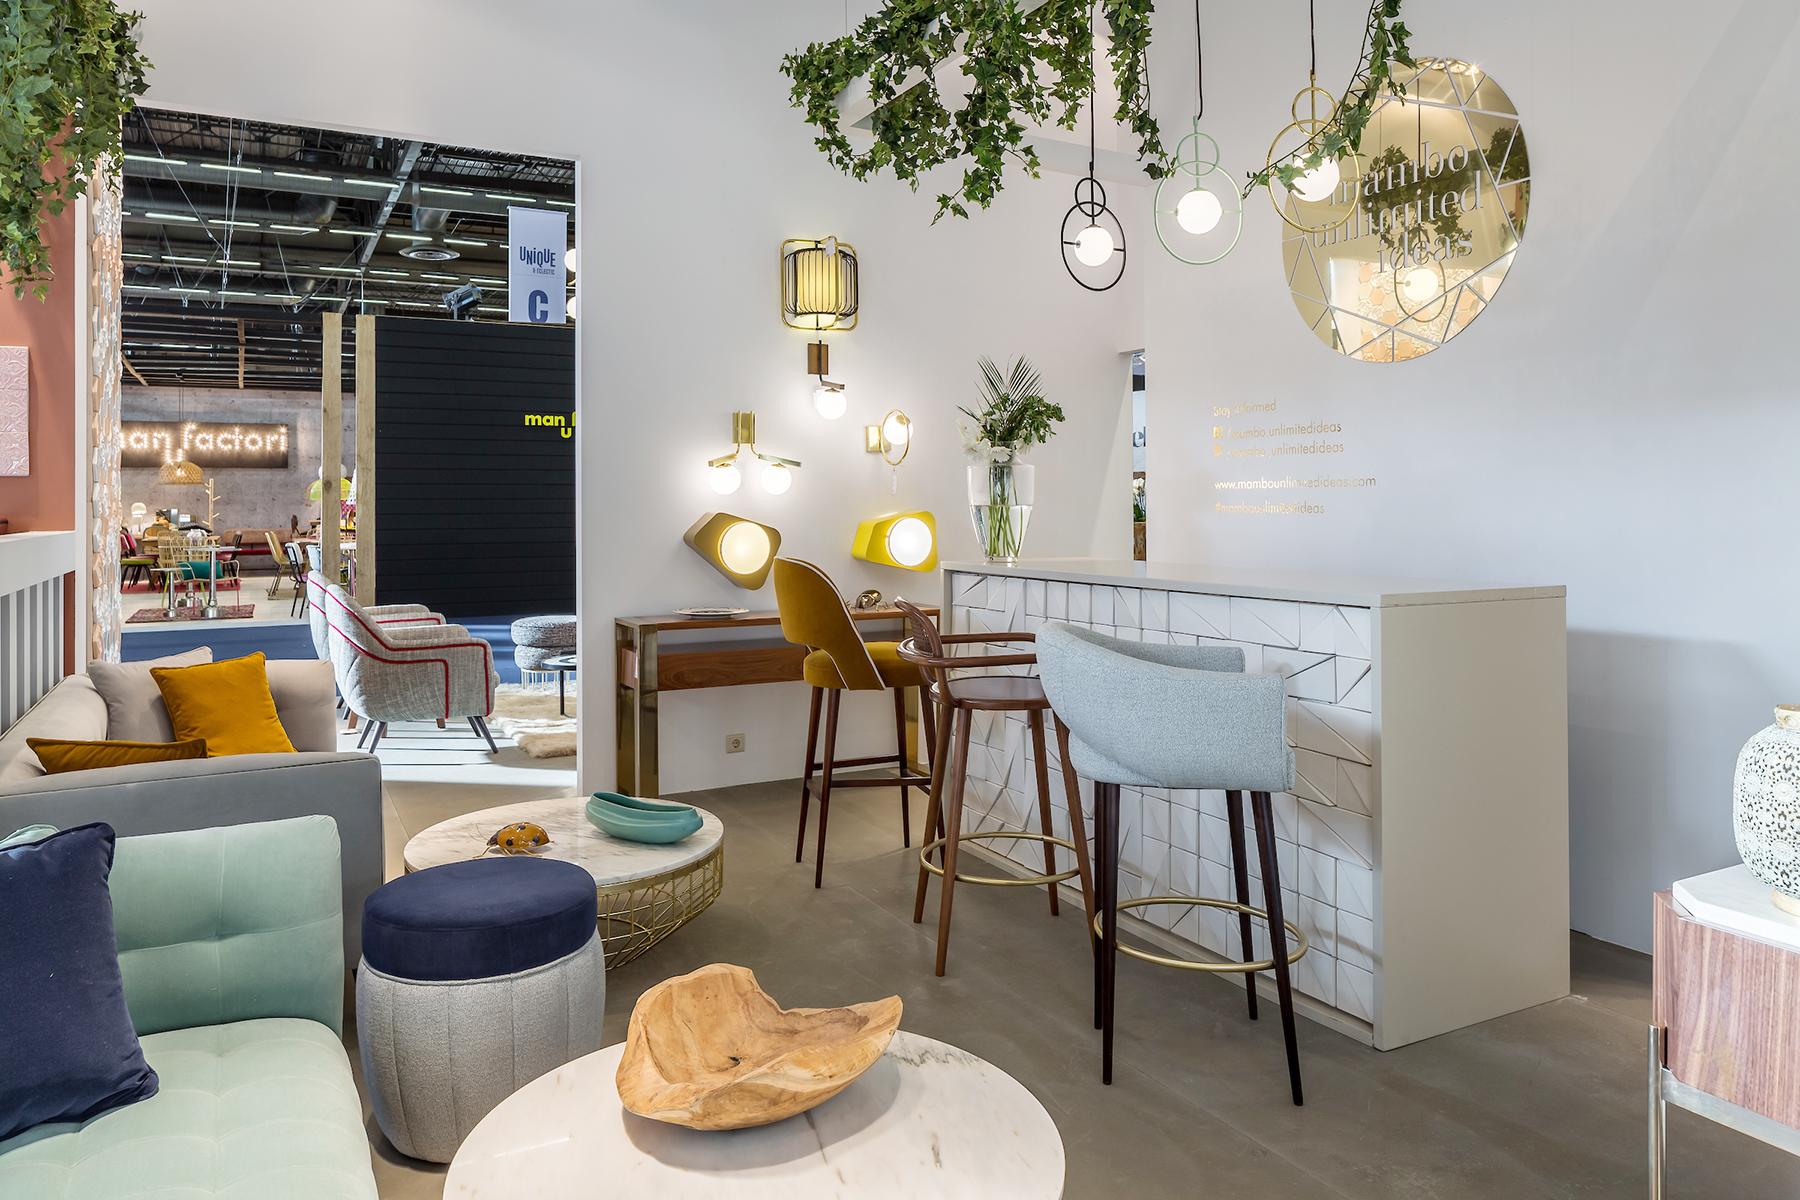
(539, 307)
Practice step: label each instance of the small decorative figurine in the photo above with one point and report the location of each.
(521, 837)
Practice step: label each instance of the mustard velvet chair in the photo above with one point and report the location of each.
(838, 660)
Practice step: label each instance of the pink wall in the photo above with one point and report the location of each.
(45, 499)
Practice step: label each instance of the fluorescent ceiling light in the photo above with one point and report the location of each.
(294, 228)
(129, 254)
(444, 278)
(222, 292)
(463, 242)
(515, 199)
(189, 290)
(229, 167)
(487, 279)
(232, 223)
(410, 304)
(182, 258)
(563, 203)
(408, 237)
(444, 191)
(394, 274)
(163, 216)
(304, 175)
(371, 183)
(141, 287)
(240, 262)
(343, 270)
(158, 159)
(488, 308)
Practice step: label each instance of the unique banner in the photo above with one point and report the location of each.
(203, 443)
(536, 289)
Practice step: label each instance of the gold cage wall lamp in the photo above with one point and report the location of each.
(821, 284)
(723, 473)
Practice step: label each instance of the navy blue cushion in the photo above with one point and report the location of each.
(70, 1052)
(477, 919)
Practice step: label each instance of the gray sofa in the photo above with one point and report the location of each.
(207, 792)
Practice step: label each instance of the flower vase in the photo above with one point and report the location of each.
(1000, 498)
(1766, 806)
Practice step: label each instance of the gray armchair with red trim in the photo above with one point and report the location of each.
(397, 672)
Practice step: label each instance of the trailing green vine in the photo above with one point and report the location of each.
(69, 72)
(1023, 68)
(1384, 44)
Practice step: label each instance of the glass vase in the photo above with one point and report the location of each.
(1000, 500)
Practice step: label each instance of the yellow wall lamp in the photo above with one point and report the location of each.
(736, 547)
(907, 540)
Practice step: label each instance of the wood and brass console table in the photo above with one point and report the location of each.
(1725, 1024)
(670, 653)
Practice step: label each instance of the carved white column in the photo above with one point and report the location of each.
(106, 514)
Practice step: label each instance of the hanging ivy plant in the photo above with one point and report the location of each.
(1024, 68)
(69, 72)
(1384, 44)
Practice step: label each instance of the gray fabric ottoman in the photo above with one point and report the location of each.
(476, 978)
(538, 638)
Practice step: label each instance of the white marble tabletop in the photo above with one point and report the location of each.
(1318, 587)
(573, 838)
(1735, 899)
(927, 1119)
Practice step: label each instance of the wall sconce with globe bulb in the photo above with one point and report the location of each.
(891, 439)
(907, 540)
(724, 474)
(829, 400)
(736, 547)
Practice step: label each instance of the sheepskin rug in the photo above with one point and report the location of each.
(528, 716)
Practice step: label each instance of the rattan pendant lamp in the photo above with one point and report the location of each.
(180, 470)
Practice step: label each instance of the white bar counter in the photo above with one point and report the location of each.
(1424, 849)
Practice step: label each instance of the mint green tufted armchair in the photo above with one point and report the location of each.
(231, 950)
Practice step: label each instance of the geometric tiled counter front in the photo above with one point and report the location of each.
(1424, 849)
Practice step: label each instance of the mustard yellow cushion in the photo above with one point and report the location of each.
(821, 672)
(59, 754)
(226, 703)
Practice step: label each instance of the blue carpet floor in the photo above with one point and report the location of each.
(229, 639)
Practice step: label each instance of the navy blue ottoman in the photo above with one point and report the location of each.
(476, 978)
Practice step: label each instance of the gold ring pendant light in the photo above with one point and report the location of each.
(1330, 190)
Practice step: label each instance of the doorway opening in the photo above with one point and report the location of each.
(1140, 508)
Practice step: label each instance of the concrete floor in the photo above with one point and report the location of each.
(1548, 1102)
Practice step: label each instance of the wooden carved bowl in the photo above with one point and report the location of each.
(712, 1050)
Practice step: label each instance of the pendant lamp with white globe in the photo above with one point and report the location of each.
(1093, 240)
(1323, 195)
(1200, 195)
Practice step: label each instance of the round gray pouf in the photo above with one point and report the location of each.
(538, 638)
(440, 1052)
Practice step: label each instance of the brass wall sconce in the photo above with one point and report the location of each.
(723, 473)
(738, 548)
(821, 285)
(891, 439)
(829, 400)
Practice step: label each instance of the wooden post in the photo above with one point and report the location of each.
(331, 442)
(365, 459)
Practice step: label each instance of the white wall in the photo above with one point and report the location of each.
(1620, 420)
(692, 170)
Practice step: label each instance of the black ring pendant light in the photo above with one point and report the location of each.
(1092, 237)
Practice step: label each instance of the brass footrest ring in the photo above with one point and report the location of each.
(1188, 964)
(1000, 835)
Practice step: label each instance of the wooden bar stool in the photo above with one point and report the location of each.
(1176, 717)
(838, 660)
(959, 698)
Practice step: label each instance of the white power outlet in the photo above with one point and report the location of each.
(734, 743)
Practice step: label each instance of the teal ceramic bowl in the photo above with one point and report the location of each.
(634, 820)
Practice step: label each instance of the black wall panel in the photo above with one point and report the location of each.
(475, 506)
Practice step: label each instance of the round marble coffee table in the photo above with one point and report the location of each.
(645, 892)
(926, 1120)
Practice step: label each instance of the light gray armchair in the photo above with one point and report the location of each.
(408, 673)
(1176, 717)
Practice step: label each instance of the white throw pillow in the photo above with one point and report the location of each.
(134, 705)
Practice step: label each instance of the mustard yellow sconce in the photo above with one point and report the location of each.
(907, 540)
(736, 547)
(821, 285)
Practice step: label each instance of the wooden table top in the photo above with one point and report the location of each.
(670, 621)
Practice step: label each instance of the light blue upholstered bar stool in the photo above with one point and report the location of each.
(1175, 717)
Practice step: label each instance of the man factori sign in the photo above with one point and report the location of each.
(204, 443)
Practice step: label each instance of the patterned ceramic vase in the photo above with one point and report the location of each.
(1765, 810)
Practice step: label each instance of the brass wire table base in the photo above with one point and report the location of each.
(1188, 964)
(1002, 835)
(638, 913)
